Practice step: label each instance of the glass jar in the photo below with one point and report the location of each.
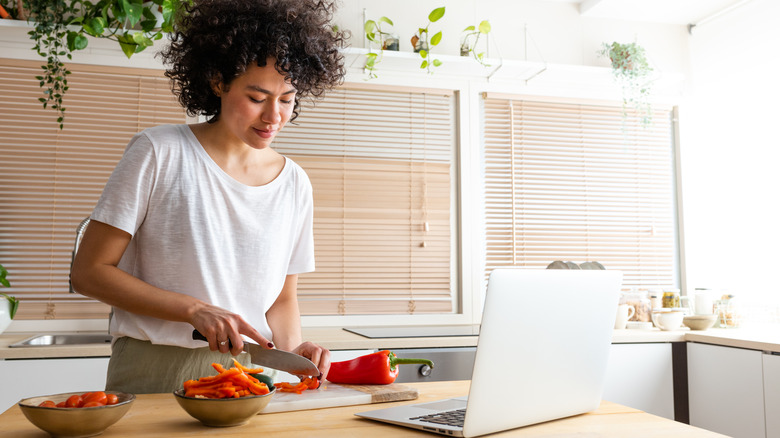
(639, 300)
(671, 298)
(390, 42)
(419, 44)
(727, 311)
(656, 297)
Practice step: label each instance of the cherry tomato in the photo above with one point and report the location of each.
(74, 401)
(92, 404)
(48, 404)
(111, 399)
(98, 397)
(61, 404)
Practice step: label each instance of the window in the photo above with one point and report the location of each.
(52, 179)
(381, 165)
(575, 182)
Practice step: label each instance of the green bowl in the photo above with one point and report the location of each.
(75, 422)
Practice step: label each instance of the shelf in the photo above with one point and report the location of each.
(459, 66)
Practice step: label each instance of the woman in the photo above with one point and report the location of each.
(205, 226)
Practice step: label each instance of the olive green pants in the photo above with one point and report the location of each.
(140, 367)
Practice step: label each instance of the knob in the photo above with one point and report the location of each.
(425, 370)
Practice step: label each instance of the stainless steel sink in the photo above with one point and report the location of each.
(63, 339)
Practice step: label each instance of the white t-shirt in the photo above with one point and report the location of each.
(199, 232)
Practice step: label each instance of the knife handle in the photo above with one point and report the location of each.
(198, 336)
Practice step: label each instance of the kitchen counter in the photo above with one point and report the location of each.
(335, 338)
(154, 415)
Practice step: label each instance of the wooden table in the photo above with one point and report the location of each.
(158, 415)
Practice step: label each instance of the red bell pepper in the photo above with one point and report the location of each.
(380, 368)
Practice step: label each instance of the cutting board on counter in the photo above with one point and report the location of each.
(331, 395)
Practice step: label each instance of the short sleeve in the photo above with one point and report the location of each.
(125, 198)
(302, 256)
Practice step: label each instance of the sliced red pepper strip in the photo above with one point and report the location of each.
(232, 382)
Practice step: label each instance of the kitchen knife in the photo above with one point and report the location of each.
(272, 358)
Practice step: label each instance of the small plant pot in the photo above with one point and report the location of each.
(5, 314)
(419, 44)
(391, 43)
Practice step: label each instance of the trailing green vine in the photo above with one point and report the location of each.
(468, 47)
(50, 34)
(631, 70)
(62, 27)
(422, 44)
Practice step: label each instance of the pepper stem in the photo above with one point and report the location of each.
(394, 360)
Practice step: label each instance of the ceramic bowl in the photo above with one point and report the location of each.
(75, 422)
(668, 319)
(223, 412)
(700, 322)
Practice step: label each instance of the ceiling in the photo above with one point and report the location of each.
(657, 11)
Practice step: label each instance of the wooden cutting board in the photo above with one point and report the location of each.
(331, 395)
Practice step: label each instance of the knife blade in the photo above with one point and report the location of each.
(273, 358)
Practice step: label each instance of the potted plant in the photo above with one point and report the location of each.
(62, 27)
(631, 70)
(384, 40)
(8, 304)
(470, 39)
(422, 43)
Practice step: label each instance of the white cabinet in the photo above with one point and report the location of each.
(726, 390)
(640, 376)
(772, 394)
(24, 378)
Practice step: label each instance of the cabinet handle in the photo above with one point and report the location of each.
(425, 370)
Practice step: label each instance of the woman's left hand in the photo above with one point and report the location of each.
(319, 356)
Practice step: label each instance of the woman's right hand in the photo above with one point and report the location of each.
(223, 328)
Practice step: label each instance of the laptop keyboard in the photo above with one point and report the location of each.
(450, 418)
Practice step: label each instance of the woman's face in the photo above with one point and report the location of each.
(256, 105)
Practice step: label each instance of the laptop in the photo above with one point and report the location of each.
(541, 355)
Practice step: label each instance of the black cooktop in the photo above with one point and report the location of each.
(415, 331)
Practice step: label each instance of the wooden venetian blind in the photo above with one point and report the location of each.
(575, 182)
(52, 178)
(381, 165)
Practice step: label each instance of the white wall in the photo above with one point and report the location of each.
(731, 153)
(558, 34)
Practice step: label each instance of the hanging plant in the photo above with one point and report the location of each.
(422, 44)
(468, 42)
(49, 35)
(632, 72)
(384, 40)
(62, 26)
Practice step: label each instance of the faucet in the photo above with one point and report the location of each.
(79, 233)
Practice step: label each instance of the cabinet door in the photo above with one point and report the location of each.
(33, 377)
(772, 394)
(640, 376)
(726, 390)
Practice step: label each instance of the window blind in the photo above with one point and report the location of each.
(52, 178)
(577, 182)
(380, 162)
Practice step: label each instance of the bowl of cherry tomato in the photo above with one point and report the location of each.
(76, 414)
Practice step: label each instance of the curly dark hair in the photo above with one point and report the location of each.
(216, 40)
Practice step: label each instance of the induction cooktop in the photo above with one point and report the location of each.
(416, 331)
